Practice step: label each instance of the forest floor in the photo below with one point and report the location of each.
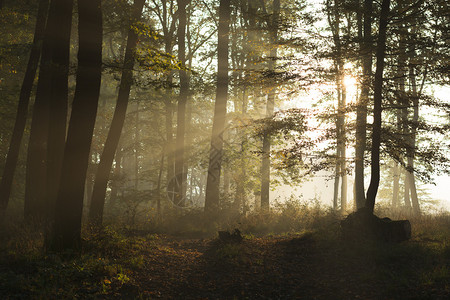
(304, 265)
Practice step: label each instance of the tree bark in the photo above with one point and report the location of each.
(376, 127)
(402, 98)
(180, 188)
(340, 172)
(35, 204)
(220, 110)
(361, 110)
(112, 140)
(412, 142)
(265, 164)
(22, 108)
(69, 204)
(58, 100)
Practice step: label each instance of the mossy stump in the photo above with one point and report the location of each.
(365, 225)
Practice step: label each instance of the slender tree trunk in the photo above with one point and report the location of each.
(35, 204)
(336, 179)
(402, 98)
(406, 198)
(396, 187)
(220, 111)
(180, 187)
(240, 198)
(136, 148)
(22, 109)
(412, 144)
(169, 146)
(58, 101)
(378, 87)
(117, 174)
(265, 164)
(340, 173)
(69, 204)
(361, 110)
(104, 168)
(343, 152)
(158, 187)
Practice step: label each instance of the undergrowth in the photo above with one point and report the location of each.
(113, 259)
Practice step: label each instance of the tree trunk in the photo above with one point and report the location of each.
(58, 101)
(22, 109)
(158, 187)
(376, 127)
(69, 204)
(220, 110)
(116, 175)
(333, 14)
(402, 98)
(104, 168)
(361, 110)
(412, 144)
(406, 198)
(265, 164)
(35, 204)
(396, 188)
(180, 187)
(136, 148)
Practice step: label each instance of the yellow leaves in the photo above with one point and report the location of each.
(144, 30)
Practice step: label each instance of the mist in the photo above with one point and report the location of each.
(219, 149)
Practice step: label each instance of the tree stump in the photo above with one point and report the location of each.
(227, 237)
(365, 225)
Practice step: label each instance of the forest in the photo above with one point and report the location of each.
(224, 149)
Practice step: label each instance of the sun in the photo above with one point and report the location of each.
(350, 82)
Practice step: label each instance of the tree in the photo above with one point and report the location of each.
(334, 20)
(47, 135)
(69, 205)
(22, 108)
(377, 98)
(220, 109)
(365, 46)
(58, 100)
(107, 157)
(180, 171)
(265, 165)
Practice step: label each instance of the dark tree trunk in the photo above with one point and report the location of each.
(402, 98)
(50, 108)
(361, 110)
(58, 101)
(180, 187)
(107, 157)
(22, 109)
(69, 204)
(220, 110)
(412, 140)
(378, 87)
(265, 164)
(35, 205)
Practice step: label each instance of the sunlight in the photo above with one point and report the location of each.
(350, 82)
